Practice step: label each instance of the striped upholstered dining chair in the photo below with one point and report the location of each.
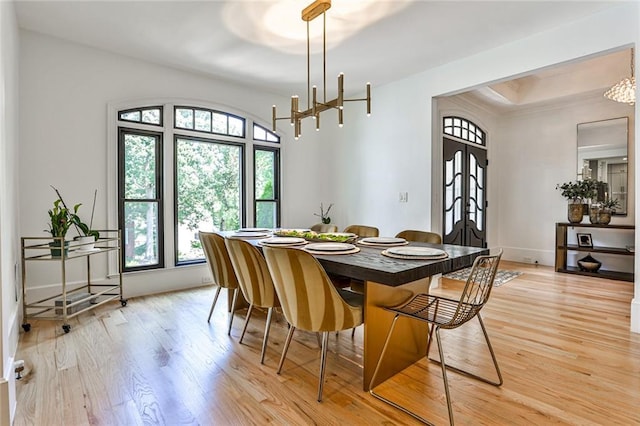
(309, 300)
(255, 282)
(420, 236)
(363, 231)
(324, 227)
(221, 269)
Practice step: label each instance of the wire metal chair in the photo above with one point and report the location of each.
(445, 313)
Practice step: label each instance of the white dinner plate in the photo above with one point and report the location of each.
(261, 230)
(287, 241)
(251, 234)
(383, 240)
(330, 247)
(416, 251)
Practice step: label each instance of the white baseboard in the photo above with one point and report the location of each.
(516, 254)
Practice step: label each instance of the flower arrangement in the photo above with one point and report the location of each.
(324, 215)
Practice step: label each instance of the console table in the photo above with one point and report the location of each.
(562, 248)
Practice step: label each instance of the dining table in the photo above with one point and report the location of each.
(389, 282)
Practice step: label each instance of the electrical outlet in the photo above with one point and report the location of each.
(404, 197)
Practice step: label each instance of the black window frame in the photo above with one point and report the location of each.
(140, 110)
(277, 183)
(480, 135)
(243, 209)
(228, 114)
(159, 179)
(267, 131)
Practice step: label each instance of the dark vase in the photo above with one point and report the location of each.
(589, 264)
(575, 213)
(56, 251)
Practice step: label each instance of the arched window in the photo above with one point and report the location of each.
(463, 129)
(208, 152)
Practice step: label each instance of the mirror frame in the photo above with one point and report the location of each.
(607, 128)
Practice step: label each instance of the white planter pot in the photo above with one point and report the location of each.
(85, 243)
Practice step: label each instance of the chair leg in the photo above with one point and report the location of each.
(444, 376)
(323, 363)
(213, 305)
(493, 355)
(353, 332)
(319, 339)
(285, 348)
(233, 309)
(472, 375)
(431, 328)
(375, 374)
(246, 322)
(266, 335)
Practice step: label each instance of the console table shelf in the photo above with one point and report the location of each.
(562, 248)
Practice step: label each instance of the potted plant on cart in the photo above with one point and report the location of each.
(60, 220)
(88, 235)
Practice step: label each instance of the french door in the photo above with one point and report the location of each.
(465, 194)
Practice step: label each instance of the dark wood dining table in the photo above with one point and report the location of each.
(388, 282)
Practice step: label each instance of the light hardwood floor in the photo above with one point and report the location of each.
(562, 341)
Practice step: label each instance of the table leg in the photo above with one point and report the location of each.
(409, 341)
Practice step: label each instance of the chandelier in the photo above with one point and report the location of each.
(625, 90)
(314, 108)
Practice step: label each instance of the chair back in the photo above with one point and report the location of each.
(420, 236)
(218, 259)
(324, 227)
(308, 298)
(477, 289)
(252, 273)
(363, 231)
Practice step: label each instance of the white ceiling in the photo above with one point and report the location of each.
(230, 39)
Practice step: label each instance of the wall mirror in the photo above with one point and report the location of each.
(602, 155)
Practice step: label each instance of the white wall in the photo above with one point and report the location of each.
(65, 89)
(9, 219)
(537, 151)
(397, 145)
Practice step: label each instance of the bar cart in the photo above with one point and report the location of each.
(81, 298)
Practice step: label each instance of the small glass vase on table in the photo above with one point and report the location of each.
(594, 213)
